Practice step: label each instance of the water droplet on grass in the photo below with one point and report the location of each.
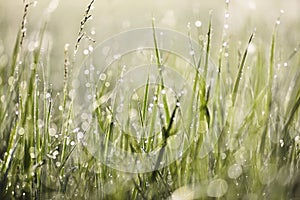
(223, 156)
(80, 135)
(24, 30)
(58, 164)
(117, 57)
(21, 131)
(87, 85)
(91, 48)
(251, 48)
(184, 192)
(234, 171)
(217, 188)
(85, 52)
(32, 154)
(52, 132)
(297, 138)
(2, 98)
(107, 84)
(102, 76)
(85, 125)
(11, 80)
(188, 25)
(198, 24)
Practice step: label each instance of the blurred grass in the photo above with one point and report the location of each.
(254, 106)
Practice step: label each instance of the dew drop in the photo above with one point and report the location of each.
(58, 164)
(24, 30)
(198, 24)
(32, 154)
(93, 31)
(188, 25)
(85, 125)
(107, 84)
(234, 171)
(55, 153)
(85, 52)
(217, 188)
(80, 135)
(223, 156)
(21, 131)
(251, 48)
(11, 80)
(117, 56)
(102, 76)
(87, 85)
(40, 123)
(52, 132)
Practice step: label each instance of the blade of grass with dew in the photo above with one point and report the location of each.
(160, 70)
(240, 72)
(224, 133)
(269, 91)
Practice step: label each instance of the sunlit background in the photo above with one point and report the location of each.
(111, 17)
(232, 26)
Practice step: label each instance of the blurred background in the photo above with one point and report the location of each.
(111, 17)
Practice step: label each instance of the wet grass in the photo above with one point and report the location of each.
(243, 125)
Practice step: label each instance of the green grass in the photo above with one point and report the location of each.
(243, 122)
